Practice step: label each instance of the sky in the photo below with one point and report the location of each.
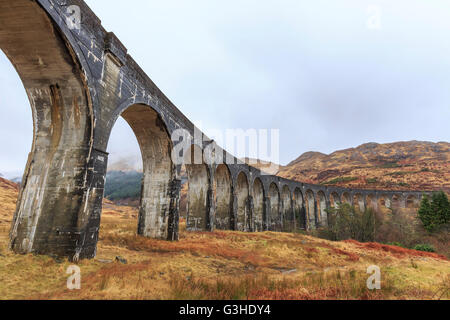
(328, 74)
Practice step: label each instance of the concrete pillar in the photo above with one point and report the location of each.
(251, 214)
(267, 214)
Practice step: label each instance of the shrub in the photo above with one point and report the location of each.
(397, 244)
(346, 222)
(425, 248)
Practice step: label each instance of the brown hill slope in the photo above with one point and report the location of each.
(402, 165)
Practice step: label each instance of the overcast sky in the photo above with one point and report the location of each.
(328, 73)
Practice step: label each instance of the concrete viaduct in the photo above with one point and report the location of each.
(80, 80)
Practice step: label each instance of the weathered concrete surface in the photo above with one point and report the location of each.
(198, 198)
(242, 194)
(275, 223)
(258, 206)
(224, 219)
(79, 82)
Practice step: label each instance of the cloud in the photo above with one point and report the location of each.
(311, 69)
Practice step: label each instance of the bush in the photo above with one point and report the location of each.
(397, 244)
(346, 222)
(424, 247)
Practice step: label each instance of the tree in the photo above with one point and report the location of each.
(435, 213)
(345, 222)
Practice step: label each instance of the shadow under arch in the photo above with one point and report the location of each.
(275, 216)
(311, 214)
(259, 195)
(358, 202)
(299, 210)
(223, 194)
(335, 200)
(243, 216)
(412, 202)
(322, 209)
(288, 220)
(199, 193)
(55, 209)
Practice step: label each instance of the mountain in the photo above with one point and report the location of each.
(9, 192)
(265, 166)
(123, 185)
(413, 165)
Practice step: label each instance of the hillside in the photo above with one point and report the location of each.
(410, 165)
(123, 186)
(219, 265)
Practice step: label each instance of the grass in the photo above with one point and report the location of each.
(222, 265)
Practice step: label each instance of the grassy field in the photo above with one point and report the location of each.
(220, 265)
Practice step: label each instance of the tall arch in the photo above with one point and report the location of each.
(299, 210)
(383, 203)
(397, 201)
(199, 189)
(274, 198)
(243, 213)
(311, 209)
(335, 200)
(258, 205)
(155, 212)
(54, 207)
(322, 208)
(358, 202)
(371, 202)
(412, 202)
(288, 213)
(346, 198)
(223, 194)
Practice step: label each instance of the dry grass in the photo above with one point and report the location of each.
(220, 265)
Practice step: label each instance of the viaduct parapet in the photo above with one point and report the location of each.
(79, 79)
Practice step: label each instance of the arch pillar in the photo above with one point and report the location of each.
(267, 213)
(251, 214)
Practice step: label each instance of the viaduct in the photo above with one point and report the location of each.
(80, 80)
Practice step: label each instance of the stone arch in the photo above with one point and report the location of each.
(223, 194)
(384, 203)
(243, 218)
(397, 201)
(412, 202)
(55, 193)
(334, 199)
(311, 209)
(156, 210)
(371, 201)
(288, 220)
(358, 202)
(274, 199)
(199, 191)
(258, 205)
(299, 210)
(346, 198)
(322, 208)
